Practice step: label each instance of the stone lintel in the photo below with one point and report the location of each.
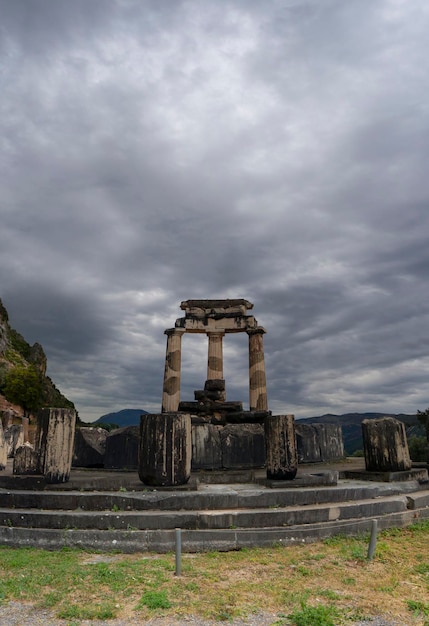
(224, 407)
(234, 324)
(202, 308)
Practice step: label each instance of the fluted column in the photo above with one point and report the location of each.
(173, 360)
(257, 377)
(215, 355)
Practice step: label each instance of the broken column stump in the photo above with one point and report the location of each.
(165, 449)
(3, 449)
(54, 443)
(14, 436)
(385, 445)
(25, 460)
(280, 446)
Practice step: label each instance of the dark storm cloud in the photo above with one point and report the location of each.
(155, 152)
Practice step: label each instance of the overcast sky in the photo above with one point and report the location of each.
(274, 150)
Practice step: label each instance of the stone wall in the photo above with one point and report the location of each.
(122, 448)
(232, 446)
(319, 443)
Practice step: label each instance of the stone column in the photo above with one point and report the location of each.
(55, 437)
(257, 378)
(215, 356)
(165, 449)
(173, 360)
(280, 447)
(385, 445)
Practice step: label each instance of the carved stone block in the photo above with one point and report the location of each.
(319, 443)
(243, 445)
(206, 447)
(89, 447)
(122, 448)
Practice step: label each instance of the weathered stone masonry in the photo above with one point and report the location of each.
(215, 318)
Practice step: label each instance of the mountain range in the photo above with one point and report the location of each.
(125, 417)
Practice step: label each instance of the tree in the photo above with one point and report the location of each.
(423, 417)
(418, 448)
(24, 386)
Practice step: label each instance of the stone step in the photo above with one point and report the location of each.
(162, 541)
(418, 500)
(203, 519)
(208, 497)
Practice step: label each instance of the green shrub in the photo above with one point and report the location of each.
(418, 447)
(19, 344)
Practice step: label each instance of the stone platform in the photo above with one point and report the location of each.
(114, 511)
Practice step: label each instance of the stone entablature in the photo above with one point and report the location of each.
(229, 316)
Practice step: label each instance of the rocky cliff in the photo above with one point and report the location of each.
(17, 354)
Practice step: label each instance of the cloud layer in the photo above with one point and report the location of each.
(156, 152)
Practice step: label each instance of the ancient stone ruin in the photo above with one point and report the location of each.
(385, 445)
(219, 434)
(3, 448)
(216, 318)
(51, 454)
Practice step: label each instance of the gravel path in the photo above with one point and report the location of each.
(19, 614)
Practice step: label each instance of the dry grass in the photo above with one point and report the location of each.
(221, 586)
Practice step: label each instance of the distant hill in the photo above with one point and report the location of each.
(126, 417)
(351, 424)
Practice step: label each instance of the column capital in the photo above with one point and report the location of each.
(215, 333)
(174, 331)
(259, 330)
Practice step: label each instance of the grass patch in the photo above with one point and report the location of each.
(321, 583)
(97, 611)
(154, 600)
(314, 616)
(418, 608)
(423, 568)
